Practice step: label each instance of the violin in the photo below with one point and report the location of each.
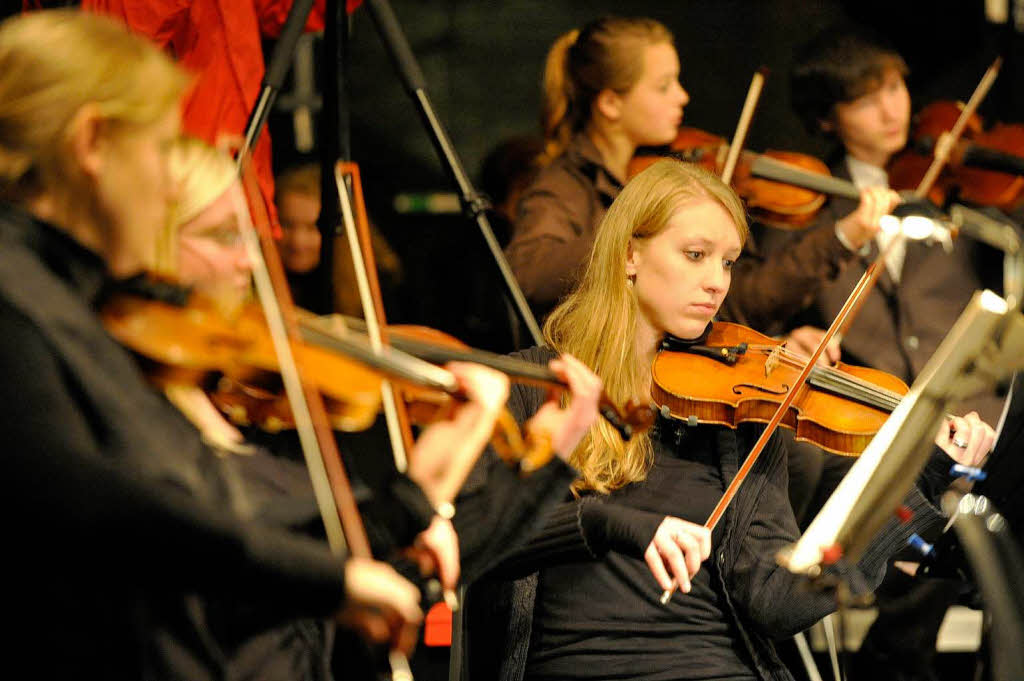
(986, 167)
(438, 347)
(788, 394)
(735, 375)
(187, 340)
(234, 361)
(777, 204)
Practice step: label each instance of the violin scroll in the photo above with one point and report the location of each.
(629, 420)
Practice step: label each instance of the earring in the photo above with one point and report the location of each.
(630, 280)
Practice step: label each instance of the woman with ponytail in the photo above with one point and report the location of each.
(608, 88)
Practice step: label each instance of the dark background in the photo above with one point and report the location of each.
(483, 60)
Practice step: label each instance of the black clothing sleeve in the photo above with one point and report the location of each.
(417, 511)
(936, 476)
(110, 522)
(574, 529)
(583, 529)
(498, 509)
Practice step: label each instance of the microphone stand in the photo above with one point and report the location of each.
(473, 203)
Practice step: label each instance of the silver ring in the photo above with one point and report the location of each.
(959, 442)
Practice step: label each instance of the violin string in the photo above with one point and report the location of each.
(841, 382)
(841, 378)
(855, 387)
(856, 390)
(886, 398)
(795, 360)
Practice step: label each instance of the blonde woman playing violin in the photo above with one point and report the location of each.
(587, 601)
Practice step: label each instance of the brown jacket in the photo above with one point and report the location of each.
(557, 220)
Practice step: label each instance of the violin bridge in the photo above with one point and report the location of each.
(772, 361)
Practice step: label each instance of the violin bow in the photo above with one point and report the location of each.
(533, 454)
(357, 230)
(944, 145)
(396, 416)
(739, 138)
(331, 486)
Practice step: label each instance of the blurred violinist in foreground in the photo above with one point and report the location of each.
(585, 600)
(124, 521)
(91, 449)
(210, 257)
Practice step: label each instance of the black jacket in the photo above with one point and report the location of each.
(765, 600)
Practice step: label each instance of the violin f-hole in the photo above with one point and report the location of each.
(737, 389)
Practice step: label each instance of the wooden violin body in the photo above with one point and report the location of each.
(774, 203)
(738, 375)
(974, 185)
(235, 361)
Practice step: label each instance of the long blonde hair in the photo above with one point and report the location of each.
(52, 63)
(606, 54)
(597, 322)
(202, 174)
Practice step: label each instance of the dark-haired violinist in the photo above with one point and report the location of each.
(851, 87)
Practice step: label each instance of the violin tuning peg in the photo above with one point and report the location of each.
(971, 473)
(920, 544)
